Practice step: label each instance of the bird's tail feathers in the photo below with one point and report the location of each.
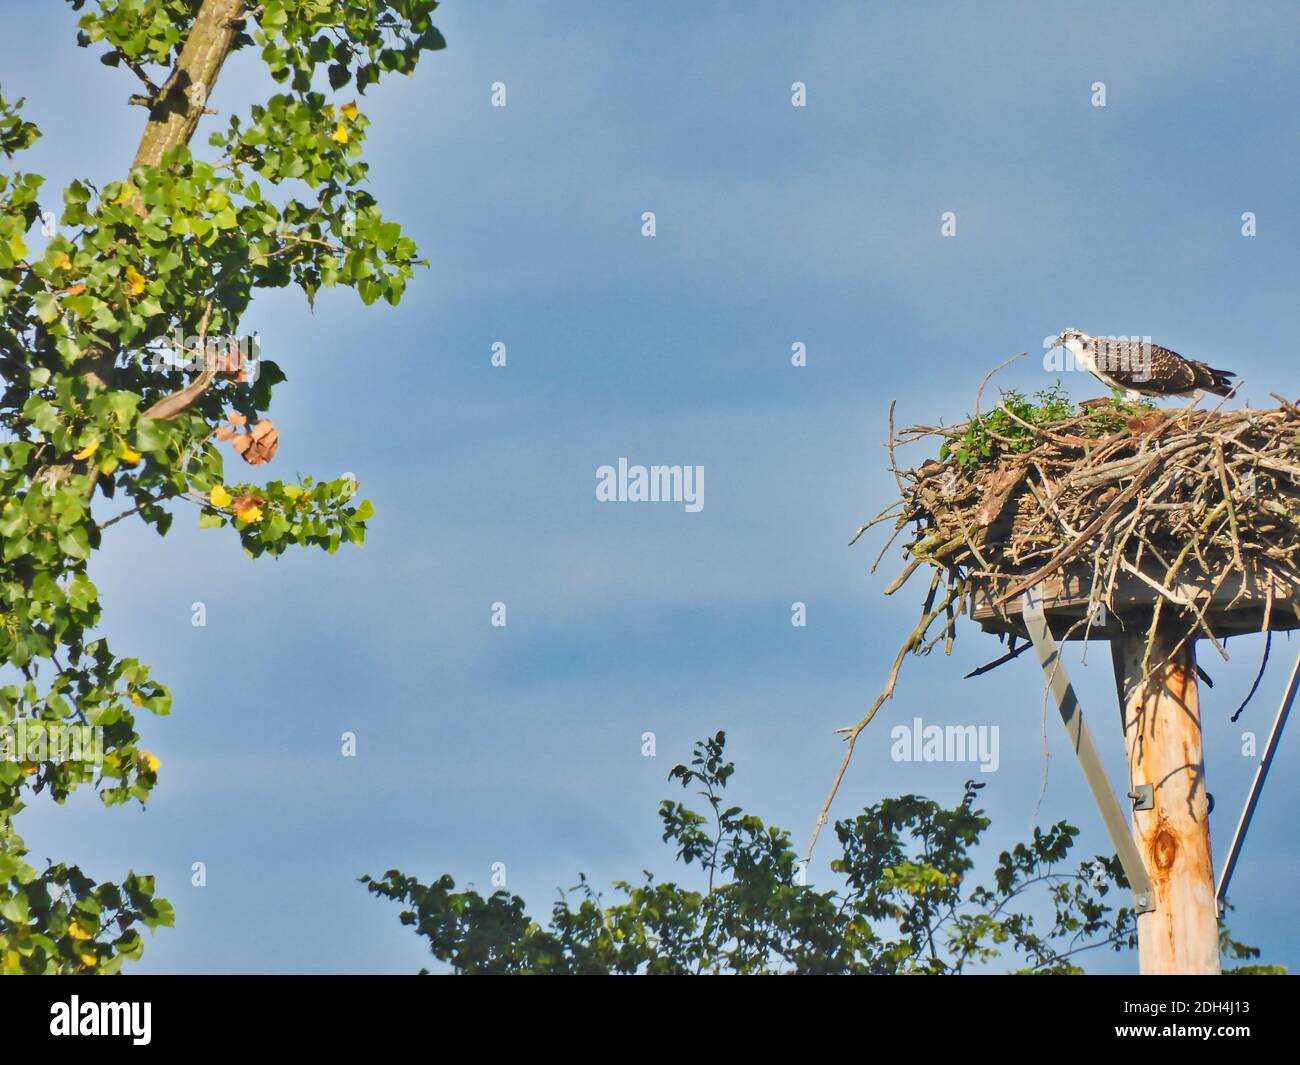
(1217, 381)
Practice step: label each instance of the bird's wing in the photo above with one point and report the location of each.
(1170, 372)
(1145, 367)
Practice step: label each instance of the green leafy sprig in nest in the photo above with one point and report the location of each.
(1010, 428)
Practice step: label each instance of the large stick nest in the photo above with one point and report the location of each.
(1179, 521)
(1169, 516)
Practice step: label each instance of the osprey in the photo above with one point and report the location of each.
(1135, 366)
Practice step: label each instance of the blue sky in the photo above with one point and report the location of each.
(775, 224)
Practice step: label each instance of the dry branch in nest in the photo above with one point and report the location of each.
(1185, 520)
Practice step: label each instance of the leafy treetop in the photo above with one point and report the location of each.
(906, 903)
(92, 290)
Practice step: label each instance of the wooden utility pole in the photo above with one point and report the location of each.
(1162, 739)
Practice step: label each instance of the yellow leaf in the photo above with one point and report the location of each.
(129, 455)
(249, 514)
(12, 959)
(29, 768)
(219, 497)
(128, 190)
(349, 110)
(88, 960)
(150, 761)
(18, 246)
(63, 262)
(340, 134)
(134, 281)
(77, 932)
(136, 700)
(88, 450)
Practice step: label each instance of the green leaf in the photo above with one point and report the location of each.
(15, 908)
(75, 543)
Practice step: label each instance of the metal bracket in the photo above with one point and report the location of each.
(1144, 797)
(1257, 785)
(1058, 682)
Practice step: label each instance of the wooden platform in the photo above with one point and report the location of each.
(1233, 610)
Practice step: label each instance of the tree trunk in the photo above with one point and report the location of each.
(1162, 739)
(184, 95)
(172, 121)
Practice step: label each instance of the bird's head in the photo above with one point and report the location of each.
(1066, 336)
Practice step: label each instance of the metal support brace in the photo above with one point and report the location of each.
(1144, 896)
(1239, 837)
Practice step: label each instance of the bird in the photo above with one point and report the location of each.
(1137, 367)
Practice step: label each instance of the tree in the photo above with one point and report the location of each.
(905, 905)
(127, 366)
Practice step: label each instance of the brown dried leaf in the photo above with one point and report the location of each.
(1146, 423)
(263, 443)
